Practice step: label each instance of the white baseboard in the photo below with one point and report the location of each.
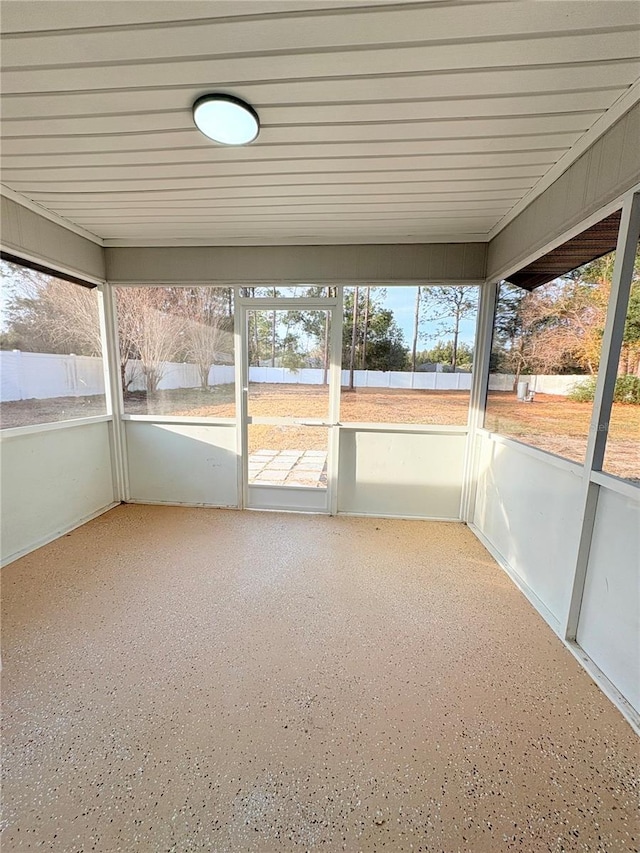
(57, 534)
(136, 502)
(524, 588)
(399, 517)
(608, 688)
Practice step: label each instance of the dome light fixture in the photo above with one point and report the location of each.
(226, 119)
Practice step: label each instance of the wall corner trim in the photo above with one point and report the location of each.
(587, 190)
(34, 234)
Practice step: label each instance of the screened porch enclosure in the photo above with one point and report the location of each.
(228, 396)
(320, 446)
(311, 394)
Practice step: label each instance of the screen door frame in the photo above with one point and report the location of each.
(290, 498)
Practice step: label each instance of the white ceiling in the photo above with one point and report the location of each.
(381, 122)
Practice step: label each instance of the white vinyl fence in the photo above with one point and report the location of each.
(40, 375)
(179, 375)
(561, 385)
(365, 378)
(29, 375)
(400, 379)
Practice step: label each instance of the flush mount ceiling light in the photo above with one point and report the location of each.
(226, 119)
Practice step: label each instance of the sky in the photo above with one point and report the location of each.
(402, 301)
(9, 286)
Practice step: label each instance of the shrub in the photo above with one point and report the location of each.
(583, 392)
(627, 390)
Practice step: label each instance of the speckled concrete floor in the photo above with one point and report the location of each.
(187, 679)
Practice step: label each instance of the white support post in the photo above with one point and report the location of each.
(478, 399)
(335, 383)
(241, 358)
(628, 235)
(113, 389)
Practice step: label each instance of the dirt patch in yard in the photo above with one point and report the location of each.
(19, 413)
(550, 422)
(561, 426)
(364, 405)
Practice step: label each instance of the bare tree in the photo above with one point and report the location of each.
(205, 331)
(128, 303)
(48, 314)
(554, 328)
(148, 332)
(448, 306)
(75, 309)
(530, 349)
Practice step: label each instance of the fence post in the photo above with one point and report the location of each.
(19, 377)
(74, 374)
